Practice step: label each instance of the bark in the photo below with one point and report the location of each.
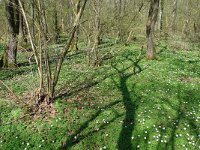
(30, 36)
(93, 54)
(160, 16)
(65, 51)
(118, 17)
(33, 19)
(78, 27)
(22, 30)
(174, 15)
(152, 18)
(42, 19)
(9, 58)
(70, 16)
(186, 28)
(11, 53)
(56, 27)
(97, 40)
(38, 57)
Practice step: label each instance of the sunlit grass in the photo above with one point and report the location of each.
(111, 107)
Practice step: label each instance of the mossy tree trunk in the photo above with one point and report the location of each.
(9, 58)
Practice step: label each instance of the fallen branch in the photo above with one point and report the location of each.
(10, 90)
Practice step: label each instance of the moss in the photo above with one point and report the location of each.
(4, 62)
(4, 59)
(12, 66)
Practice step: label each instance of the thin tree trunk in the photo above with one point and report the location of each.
(33, 19)
(174, 15)
(160, 16)
(42, 19)
(36, 56)
(186, 29)
(56, 28)
(22, 30)
(66, 49)
(77, 31)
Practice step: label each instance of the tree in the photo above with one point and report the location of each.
(46, 92)
(152, 18)
(41, 9)
(160, 16)
(9, 58)
(93, 54)
(174, 15)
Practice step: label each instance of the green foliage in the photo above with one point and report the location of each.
(112, 106)
(2, 48)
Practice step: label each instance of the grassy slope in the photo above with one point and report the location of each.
(111, 107)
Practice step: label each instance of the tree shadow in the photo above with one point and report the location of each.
(72, 140)
(52, 59)
(124, 141)
(175, 123)
(130, 106)
(6, 74)
(125, 137)
(84, 85)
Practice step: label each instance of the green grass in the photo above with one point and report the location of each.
(111, 107)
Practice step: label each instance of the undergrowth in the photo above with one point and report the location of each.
(127, 103)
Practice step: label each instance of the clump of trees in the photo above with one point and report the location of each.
(37, 23)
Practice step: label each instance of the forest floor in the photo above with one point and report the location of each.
(127, 103)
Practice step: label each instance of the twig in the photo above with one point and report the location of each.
(9, 89)
(30, 114)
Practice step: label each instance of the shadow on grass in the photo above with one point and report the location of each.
(181, 111)
(72, 140)
(6, 74)
(128, 123)
(124, 141)
(85, 85)
(53, 59)
(125, 137)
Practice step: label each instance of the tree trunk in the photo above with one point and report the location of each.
(11, 53)
(152, 18)
(118, 17)
(56, 27)
(93, 56)
(160, 16)
(33, 19)
(42, 19)
(9, 58)
(77, 31)
(174, 15)
(186, 29)
(65, 51)
(22, 30)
